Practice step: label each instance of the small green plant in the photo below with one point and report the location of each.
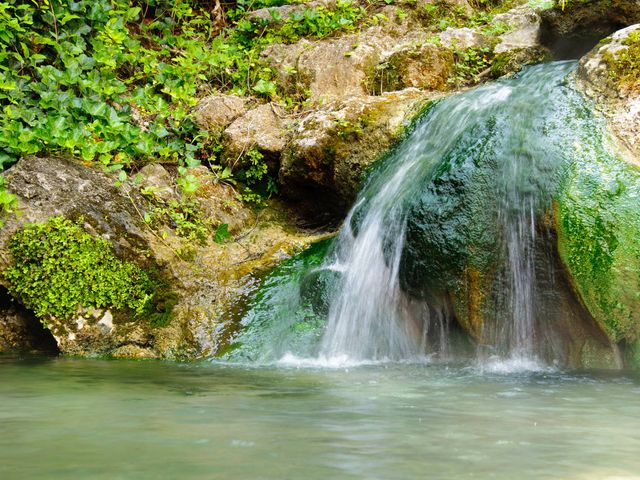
(8, 201)
(58, 267)
(347, 129)
(625, 62)
(183, 215)
(469, 63)
(222, 234)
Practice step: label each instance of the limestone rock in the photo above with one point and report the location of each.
(216, 112)
(524, 25)
(597, 216)
(426, 67)
(621, 105)
(331, 148)
(461, 38)
(262, 128)
(218, 201)
(201, 283)
(339, 67)
(284, 12)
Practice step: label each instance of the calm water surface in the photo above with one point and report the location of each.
(65, 418)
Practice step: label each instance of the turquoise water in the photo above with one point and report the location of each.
(66, 418)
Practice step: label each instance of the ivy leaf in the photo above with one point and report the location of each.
(222, 233)
(265, 87)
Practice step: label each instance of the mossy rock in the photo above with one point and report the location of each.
(598, 224)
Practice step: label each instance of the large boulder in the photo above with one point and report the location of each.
(597, 215)
(192, 287)
(480, 227)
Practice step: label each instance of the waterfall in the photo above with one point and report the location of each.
(450, 233)
(368, 316)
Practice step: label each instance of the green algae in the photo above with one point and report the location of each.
(285, 312)
(598, 230)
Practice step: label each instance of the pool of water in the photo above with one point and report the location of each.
(67, 418)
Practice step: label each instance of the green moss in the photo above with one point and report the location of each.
(58, 267)
(625, 63)
(598, 231)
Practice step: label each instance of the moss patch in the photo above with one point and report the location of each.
(58, 267)
(598, 231)
(624, 64)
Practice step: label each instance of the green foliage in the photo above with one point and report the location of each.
(222, 234)
(183, 215)
(84, 78)
(625, 63)
(58, 267)
(8, 201)
(351, 129)
(113, 81)
(469, 63)
(255, 174)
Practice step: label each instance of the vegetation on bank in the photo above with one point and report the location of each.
(58, 268)
(625, 63)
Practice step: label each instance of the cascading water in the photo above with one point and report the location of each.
(368, 317)
(464, 194)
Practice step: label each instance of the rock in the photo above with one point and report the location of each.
(198, 284)
(156, 182)
(572, 32)
(219, 203)
(512, 61)
(461, 6)
(284, 12)
(426, 67)
(262, 128)
(133, 351)
(524, 29)
(461, 38)
(331, 148)
(597, 216)
(596, 78)
(341, 67)
(216, 112)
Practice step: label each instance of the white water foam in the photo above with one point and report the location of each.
(343, 361)
(510, 365)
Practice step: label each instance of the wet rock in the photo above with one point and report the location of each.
(331, 148)
(216, 112)
(597, 216)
